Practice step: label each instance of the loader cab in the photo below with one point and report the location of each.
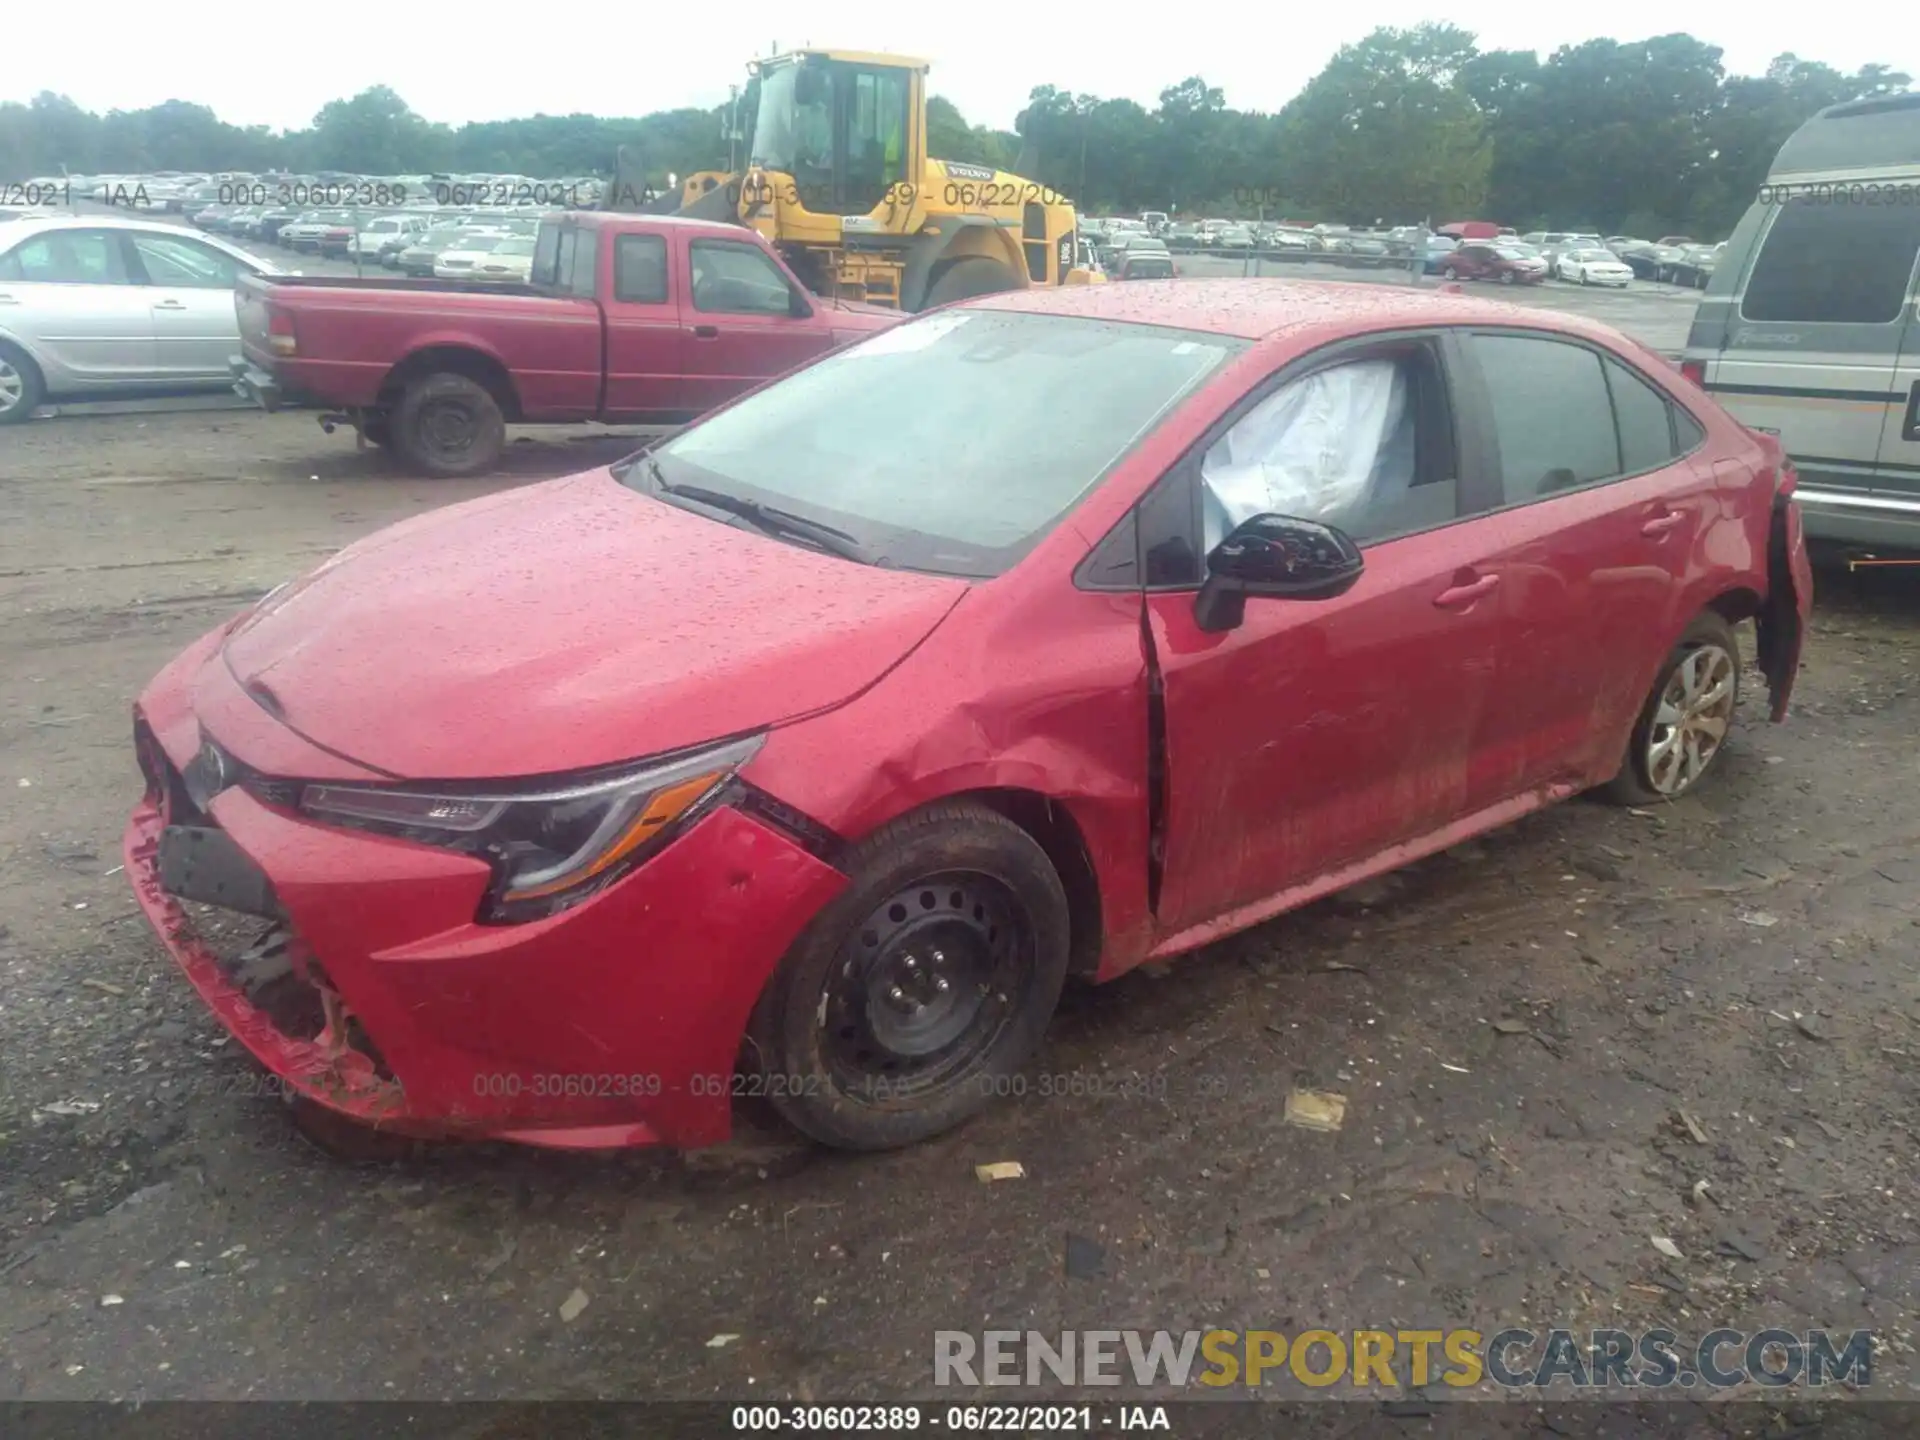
(841, 125)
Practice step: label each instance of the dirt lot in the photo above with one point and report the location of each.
(1517, 1024)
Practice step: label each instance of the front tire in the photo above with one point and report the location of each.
(1506, 277)
(449, 426)
(917, 994)
(21, 388)
(975, 275)
(1450, 274)
(1682, 727)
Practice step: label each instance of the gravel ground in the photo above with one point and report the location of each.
(1517, 1024)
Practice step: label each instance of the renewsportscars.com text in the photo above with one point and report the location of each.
(1514, 1358)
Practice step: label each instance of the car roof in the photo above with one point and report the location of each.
(1264, 309)
(36, 224)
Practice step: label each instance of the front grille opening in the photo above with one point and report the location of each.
(259, 961)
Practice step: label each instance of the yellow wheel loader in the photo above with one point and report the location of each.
(837, 176)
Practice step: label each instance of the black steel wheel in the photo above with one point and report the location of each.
(922, 988)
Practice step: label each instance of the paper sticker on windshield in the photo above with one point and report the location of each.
(915, 335)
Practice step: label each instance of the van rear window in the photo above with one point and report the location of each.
(1833, 262)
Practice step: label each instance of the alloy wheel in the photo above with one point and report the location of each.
(1691, 720)
(13, 387)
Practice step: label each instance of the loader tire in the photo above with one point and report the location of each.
(975, 275)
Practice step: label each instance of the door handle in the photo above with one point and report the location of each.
(168, 305)
(706, 332)
(1660, 524)
(1463, 595)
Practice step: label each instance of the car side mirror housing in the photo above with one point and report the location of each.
(1276, 556)
(798, 306)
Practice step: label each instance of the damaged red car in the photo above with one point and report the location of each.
(807, 753)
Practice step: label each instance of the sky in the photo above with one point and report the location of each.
(265, 65)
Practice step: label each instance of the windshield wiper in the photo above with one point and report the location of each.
(765, 518)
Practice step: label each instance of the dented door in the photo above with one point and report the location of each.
(1320, 731)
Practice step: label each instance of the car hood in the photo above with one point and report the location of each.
(567, 625)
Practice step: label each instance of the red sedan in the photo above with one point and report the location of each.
(809, 752)
(1508, 264)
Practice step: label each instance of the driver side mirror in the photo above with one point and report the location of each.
(798, 306)
(1276, 556)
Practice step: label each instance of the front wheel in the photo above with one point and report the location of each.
(1450, 273)
(1506, 277)
(975, 275)
(21, 390)
(1683, 725)
(912, 1000)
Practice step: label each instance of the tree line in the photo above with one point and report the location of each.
(1643, 137)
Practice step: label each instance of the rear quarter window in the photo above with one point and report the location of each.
(1645, 418)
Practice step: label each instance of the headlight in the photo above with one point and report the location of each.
(551, 846)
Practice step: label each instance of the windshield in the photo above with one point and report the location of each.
(1594, 255)
(518, 245)
(951, 443)
(1510, 252)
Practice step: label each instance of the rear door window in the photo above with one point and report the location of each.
(1834, 262)
(640, 270)
(1552, 414)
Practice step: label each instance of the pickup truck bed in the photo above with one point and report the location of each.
(633, 319)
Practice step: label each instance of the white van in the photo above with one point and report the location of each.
(1808, 329)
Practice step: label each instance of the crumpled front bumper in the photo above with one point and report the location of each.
(618, 1022)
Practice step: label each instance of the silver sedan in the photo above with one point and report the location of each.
(98, 307)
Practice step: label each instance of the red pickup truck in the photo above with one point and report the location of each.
(629, 319)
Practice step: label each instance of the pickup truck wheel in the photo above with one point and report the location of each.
(21, 389)
(1683, 726)
(449, 426)
(975, 275)
(918, 993)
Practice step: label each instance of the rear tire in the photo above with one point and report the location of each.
(449, 426)
(21, 388)
(1683, 725)
(913, 998)
(975, 275)
(1506, 277)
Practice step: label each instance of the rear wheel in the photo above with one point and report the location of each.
(1450, 273)
(1506, 277)
(21, 389)
(1683, 726)
(449, 426)
(915, 996)
(975, 275)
